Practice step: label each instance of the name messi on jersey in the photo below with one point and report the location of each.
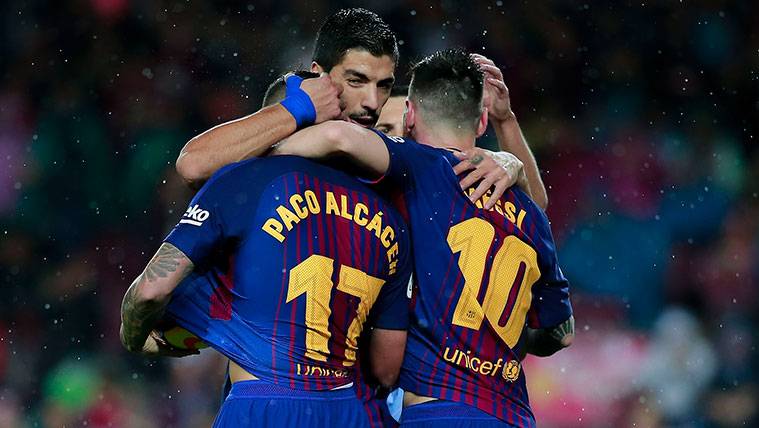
(506, 209)
(301, 205)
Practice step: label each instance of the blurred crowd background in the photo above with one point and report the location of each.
(643, 117)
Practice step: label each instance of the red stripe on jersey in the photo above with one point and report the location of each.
(367, 239)
(221, 299)
(356, 254)
(511, 301)
(343, 225)
(451, 265)
(377, 241)
(298, 258)
(309, 222)
(532, 232)
(330, 228)
(467, 378)
(464, 333)
(343, 307)
(399, 201)
(486, 344)
(294, 305)
(293, 317)
(364, 394)
(320, 231)
(329, 223)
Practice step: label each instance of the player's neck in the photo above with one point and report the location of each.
(444, 138)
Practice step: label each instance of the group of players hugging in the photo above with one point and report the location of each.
(295, 258)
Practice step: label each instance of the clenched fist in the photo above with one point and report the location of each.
(325, 97)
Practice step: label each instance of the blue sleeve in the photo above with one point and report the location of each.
(402, 153)
(214, 217)
(550, 294)
(391, 311)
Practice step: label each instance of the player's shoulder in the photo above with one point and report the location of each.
(412, 149)
(247, 176)
(260, 169)
(403, 143)
(523, 201)
(536, 223)
(231, 171)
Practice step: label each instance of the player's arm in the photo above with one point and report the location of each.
(146, 299)
(543, 342)
(507, 129)
(550, 320)
(232, 142)
(496, 170)
(362, 147)
(386, 354)
(208, 223)
(390, 318)
(307, 101)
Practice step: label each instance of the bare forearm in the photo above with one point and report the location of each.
(138, 316)
(146, 299)
(234, 141)
(315, 142)
(511, 139)
(386, 351)
(359, 146)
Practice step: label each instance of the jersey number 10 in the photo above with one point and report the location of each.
(313, 277)
(515, 264)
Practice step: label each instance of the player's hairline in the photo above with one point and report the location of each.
(342, 56)
(379, 37)
(428, 113)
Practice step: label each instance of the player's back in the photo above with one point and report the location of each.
(306, 255)
(477, 274)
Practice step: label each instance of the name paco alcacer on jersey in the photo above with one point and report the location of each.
(195, 216)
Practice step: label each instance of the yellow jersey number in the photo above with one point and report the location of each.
(313, 277)
(472, 238)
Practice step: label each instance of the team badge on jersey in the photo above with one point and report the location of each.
(511, 371)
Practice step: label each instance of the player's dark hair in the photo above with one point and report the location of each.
(353, 28)
(276, 91)
(447, 87)
(399, 91)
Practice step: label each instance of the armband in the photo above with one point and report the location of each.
(297, 102)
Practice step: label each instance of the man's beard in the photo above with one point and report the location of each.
(365, 118)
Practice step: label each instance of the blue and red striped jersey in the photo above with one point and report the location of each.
(480, 277)
(292, 259)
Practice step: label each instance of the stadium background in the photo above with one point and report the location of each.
(643, 117)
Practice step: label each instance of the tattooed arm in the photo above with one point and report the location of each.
(498, 171)
(146, 299)
(545, 342)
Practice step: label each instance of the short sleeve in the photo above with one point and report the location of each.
(391, 311)
(550, 295)
(402, 152)
(212, 217)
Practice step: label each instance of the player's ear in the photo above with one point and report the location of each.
(316, 68)
(409, 117)
(482, 122)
